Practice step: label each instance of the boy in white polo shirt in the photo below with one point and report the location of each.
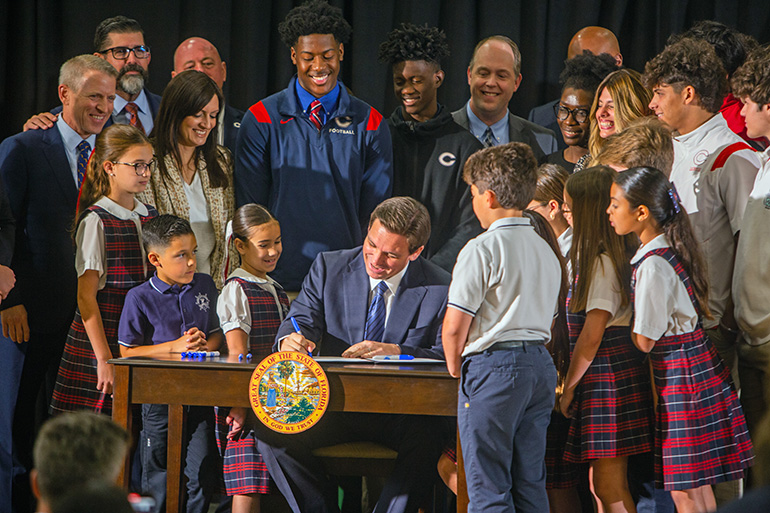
(751, 279)
(501, 302)
(714, 169)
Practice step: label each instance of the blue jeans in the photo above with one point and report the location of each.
(504, 407)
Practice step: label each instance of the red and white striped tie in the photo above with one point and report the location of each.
(315, 113)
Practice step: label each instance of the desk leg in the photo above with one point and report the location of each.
(462, 485)
(121, 414)
(174, 462)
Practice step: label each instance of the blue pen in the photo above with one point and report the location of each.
(296, 328)
(399, 357)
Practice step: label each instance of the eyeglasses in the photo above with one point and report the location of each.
(140, 168)
(562, 113)
(121, 53)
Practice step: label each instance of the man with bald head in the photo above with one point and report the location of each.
(597, 40)
(494, 74)
(199, 54)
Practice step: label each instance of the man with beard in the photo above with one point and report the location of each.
(120, 41)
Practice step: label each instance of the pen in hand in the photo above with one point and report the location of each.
(296, 328)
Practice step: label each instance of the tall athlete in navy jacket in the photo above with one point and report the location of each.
(320, 174)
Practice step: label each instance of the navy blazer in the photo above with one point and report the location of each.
(231, 123)
(332, 306)
(541, 140)
(43, 196)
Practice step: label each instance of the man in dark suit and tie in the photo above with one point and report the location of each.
(41, 172)
(199, 54)
(120, 41)
(379, 299)
(494, 74)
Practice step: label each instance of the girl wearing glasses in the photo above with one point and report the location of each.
(110, 259)
(580, 78)
(193, 176)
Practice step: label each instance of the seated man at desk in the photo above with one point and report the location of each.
(379, 299)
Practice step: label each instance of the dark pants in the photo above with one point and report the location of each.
(42, 355)
(301, 478)
(199, 455)
(11, 363)
(504, 407)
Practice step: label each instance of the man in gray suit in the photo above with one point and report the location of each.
(494, 74)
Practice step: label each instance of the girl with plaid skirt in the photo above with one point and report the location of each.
(607, 392)
(110, 260)
(250, 308)
(700, 434)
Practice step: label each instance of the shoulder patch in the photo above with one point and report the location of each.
(260, 113)
(729, 150)
(375, 118)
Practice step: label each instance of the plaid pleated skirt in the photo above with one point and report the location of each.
(244, 469)
(701, 435)
(614, 413)
(75, 387)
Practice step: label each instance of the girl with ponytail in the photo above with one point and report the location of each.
(700, 436)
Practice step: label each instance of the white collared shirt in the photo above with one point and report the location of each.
(508, 279)
(662, 305)
(119, 114)
(91, 254)
(71, 139)
(393, 282)
(233, 303)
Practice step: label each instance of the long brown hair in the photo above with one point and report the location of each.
(630, 98)
(111, 144)
(186, 95)
(559, 345)
(649, 187)
(593, 235)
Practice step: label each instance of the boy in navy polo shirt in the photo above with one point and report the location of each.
(501, 304)
(174, 311)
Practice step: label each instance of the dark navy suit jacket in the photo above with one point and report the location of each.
(332, 306)
(43, 196)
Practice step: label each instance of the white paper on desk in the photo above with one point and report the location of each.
(386, 359)
(339, 359)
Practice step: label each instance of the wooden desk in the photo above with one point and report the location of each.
(368, 388)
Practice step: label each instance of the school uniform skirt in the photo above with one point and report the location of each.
(559, 473)
(701, 435)
(75, 387)
(244, 469)
(613, 402)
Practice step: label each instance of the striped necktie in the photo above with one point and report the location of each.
(133, 116)
(375, 320)
(316, 111)
(84, 151)
(488, 139)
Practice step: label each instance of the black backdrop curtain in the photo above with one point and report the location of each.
(36, 36)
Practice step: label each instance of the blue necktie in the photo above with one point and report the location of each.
(375, 321)
(488, 139)
(84, 151)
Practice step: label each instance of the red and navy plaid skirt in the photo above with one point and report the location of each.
(243, 467)
(701, 435)
(75, 387)
(559, 473)
(613, 415)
